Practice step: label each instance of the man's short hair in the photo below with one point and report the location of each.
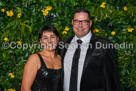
(78, 10)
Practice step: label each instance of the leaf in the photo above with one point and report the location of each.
(2, 4)
(10, 24)
(18, 10)
(5, 34)
(26, 21)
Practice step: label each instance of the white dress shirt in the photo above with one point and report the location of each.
(69, 57)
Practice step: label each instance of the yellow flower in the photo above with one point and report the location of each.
(48, 8)
(42, 10)
(103, 5)
(95, 30)
(45, 12)
(6, 39)
(113, 33)
(130, 29)
(19, 42)
(10, 13)
(66, 28)
(2, 10)
(64, 32)
(11, 89)
(19, 15)
(125, 8)
(11, 75)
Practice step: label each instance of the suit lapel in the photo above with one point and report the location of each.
(89, 52)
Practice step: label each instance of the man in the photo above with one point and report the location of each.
(97, 67)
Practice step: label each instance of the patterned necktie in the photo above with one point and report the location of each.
(74, 69)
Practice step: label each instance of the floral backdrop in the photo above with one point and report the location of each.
(21, 20)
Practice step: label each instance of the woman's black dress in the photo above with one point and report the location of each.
(47, 79)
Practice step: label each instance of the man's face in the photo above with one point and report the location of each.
(81, 24)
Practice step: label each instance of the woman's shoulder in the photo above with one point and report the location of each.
(33, 58)
(32, 62)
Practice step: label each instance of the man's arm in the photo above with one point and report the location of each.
(111, 71)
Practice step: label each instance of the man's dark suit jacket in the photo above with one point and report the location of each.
(100, 71)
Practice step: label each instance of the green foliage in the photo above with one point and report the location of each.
(26, 28)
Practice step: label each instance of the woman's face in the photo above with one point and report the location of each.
(49, 40)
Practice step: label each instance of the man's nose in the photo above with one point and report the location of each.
(80, 24)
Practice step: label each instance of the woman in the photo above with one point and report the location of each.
(42, 71)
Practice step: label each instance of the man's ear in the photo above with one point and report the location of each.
(72, 21)
(90, 23)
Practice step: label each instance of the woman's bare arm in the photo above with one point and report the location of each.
(30, 71)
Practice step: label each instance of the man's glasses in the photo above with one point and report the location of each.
(83, 22)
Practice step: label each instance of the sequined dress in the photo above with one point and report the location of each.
(47, 79)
